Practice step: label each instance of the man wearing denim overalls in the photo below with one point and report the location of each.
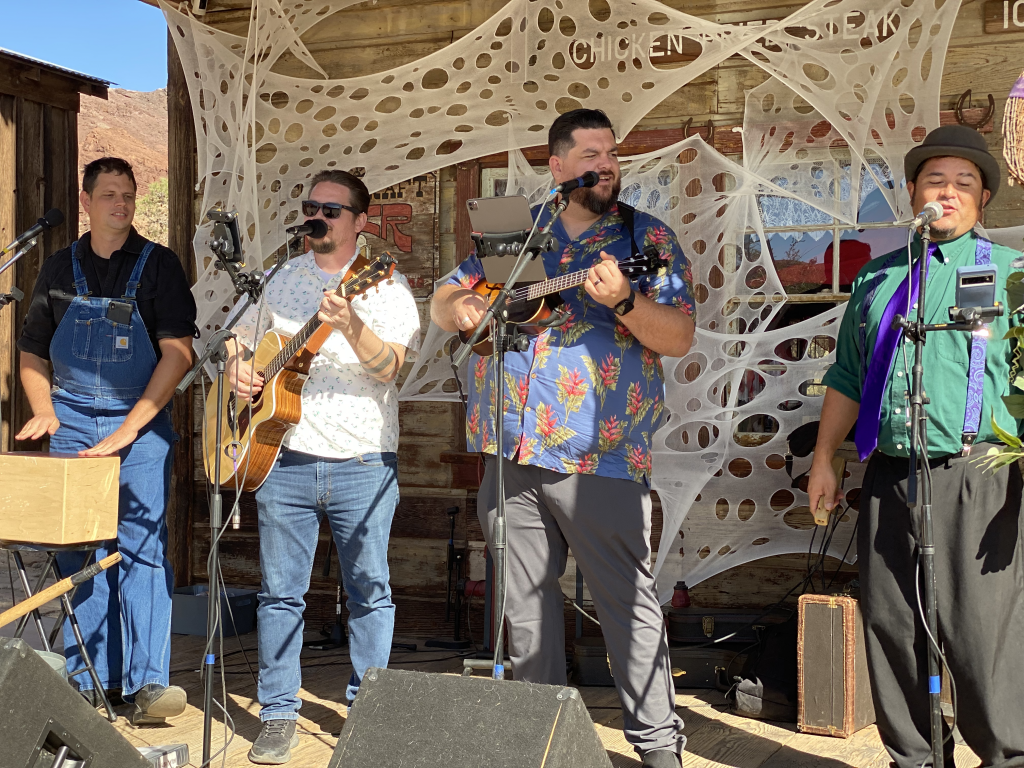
(114, 317)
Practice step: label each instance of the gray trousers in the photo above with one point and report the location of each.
(979, 568)
(607, 524)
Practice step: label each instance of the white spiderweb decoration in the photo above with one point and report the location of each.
(851, 88)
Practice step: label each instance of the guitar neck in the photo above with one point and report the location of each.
(298, 341)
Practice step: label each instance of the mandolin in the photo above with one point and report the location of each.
(252, 437)
(528, 306)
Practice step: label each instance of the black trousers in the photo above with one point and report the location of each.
(979, 567)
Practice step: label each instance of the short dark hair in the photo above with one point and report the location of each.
(360, 197)
(560, 138)
(106, 165)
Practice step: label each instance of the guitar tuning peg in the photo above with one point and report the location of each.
(391, 281)
(364, 297)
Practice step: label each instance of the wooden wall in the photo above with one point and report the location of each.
(371, 38)
(38, 171)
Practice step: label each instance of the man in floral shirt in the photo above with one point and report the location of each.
(581, 404)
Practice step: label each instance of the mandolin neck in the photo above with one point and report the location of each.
(548, 287)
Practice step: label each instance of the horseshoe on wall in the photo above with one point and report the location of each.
(958, 110)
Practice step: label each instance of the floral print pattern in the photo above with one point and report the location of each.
(584, 397)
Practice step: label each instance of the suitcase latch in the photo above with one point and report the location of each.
(708, 624)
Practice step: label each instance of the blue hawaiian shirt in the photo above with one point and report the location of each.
(585, 397)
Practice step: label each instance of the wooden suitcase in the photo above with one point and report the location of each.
(834, 693)
(60, 499)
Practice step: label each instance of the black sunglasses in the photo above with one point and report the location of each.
(331, 210)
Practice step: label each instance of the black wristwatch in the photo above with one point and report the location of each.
(625, 306)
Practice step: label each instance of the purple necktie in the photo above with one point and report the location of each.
(882, 359)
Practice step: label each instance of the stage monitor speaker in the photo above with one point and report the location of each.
(430, 720)
(40, 713)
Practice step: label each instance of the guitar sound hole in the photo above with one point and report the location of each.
(231, 414)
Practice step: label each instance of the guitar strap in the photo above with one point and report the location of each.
(627, 211)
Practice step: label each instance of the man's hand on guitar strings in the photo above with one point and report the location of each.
(605, 283)
(245, 381)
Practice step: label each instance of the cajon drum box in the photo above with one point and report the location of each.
(53, 498)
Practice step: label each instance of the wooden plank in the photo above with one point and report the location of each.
(48, 88)
(440, 421)
(31, 194)
(61, 172)
(181, 179)
(467, 186)
(1003, 17)
(8, 210)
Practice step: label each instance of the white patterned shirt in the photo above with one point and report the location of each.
(346, 412)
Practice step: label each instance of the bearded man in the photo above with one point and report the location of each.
(339, 462)
(583, 402)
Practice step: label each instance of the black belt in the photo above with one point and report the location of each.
(903, 462)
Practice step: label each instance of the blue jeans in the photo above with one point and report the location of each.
(124, 612)
(358, 496)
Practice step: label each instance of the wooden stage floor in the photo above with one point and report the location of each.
(715, 738)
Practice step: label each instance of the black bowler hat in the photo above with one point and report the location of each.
(955, 141)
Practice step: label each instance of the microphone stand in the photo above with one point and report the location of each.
(504, 341)
(217, 352)
(16, 294)
(919, 493)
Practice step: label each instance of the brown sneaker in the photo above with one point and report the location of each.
(155, 703)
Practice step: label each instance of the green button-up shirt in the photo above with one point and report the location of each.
(947, 354)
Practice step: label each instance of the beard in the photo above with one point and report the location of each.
(942, 233)
(593, 201)
(323, 244)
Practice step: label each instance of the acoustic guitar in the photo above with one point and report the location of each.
(252, 433)
(529, 308)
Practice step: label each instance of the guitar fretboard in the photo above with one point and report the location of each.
(298, 341)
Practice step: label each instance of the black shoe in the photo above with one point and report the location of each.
(154, 704)
(662, 758)
(92, 696)
(274, 744)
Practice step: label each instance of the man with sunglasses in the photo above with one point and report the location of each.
(340, 460)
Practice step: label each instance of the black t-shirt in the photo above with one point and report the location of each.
(165, 302)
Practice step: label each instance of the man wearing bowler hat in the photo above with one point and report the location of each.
(976, 513)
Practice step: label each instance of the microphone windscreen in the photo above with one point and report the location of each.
(53, 217)
(590, 178)
(318, 228)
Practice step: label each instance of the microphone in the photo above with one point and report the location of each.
(315, 228)
(931, 212)
(53, 218)
(588, 179)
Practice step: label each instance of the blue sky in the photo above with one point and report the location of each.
(124, 41)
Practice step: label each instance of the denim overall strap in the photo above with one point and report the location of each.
(976, 371)
(97, 350)
(136, 276)
(81, 286)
